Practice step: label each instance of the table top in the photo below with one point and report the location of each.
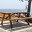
(14, 12)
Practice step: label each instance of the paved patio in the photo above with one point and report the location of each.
(21, 26)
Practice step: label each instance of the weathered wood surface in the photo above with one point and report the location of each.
(20, 18)
(14, 12)
(1, 16)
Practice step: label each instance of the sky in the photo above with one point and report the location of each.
(12, 4)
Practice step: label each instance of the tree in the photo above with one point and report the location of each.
(29, 6)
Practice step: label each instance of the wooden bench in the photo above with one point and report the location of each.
(18, 19)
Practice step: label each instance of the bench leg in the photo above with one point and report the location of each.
(28, 23)
(11, 24)
(2, 19)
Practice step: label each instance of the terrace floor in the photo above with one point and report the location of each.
(21, 26)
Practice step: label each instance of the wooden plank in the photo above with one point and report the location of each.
(14, 12)
(20, 18)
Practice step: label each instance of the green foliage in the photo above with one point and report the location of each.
(26, 0)
(23, 0)
(26, 5)
(29, 19)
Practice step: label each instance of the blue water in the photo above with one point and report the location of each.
(12, 10)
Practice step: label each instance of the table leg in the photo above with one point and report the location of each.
(10, 21)
(11, 24)
(28, 22)
(2, 19)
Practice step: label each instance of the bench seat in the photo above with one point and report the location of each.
(16, 18)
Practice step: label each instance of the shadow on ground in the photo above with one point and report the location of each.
(16, 26)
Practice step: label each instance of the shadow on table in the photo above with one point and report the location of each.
(16, 26)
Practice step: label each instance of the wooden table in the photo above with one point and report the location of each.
(10, 14)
